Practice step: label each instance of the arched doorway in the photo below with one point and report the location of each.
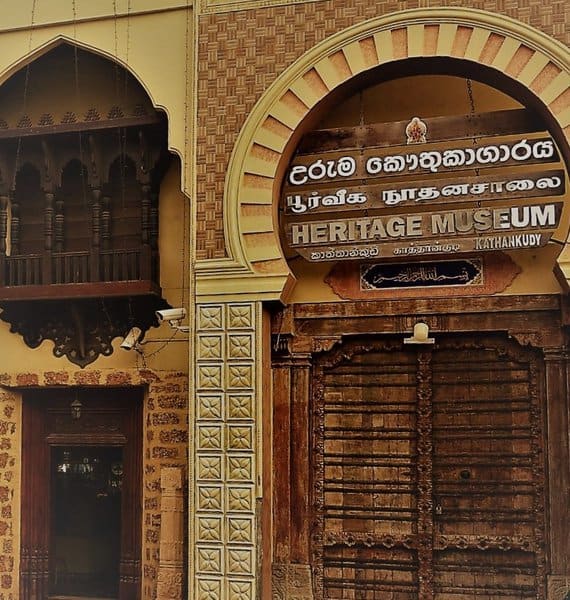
(417, 470)
(81, 489)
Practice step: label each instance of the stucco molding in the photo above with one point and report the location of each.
(259, 153)
(220, 6)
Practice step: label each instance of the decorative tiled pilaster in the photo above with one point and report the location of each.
(225, 452)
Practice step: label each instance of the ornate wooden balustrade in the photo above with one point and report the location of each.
(22, 275)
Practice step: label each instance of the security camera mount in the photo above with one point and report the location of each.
(174, 317)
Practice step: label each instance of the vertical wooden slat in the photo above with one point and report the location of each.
(299, 465)
(281, 460)
(557, 373)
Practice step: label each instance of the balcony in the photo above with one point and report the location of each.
(60, 275)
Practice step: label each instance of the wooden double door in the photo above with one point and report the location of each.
(427, 471)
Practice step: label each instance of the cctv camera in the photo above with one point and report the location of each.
(171, 314)
(131, 339)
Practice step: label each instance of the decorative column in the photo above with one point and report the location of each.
(223, 488)
(558, 461)
(3, 235)
(59, 220)
(170, 582)
(95, 274)
(291, 571)
(48, 237)
(15, 224)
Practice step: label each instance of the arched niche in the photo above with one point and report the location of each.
(460, 105)
(69, 114)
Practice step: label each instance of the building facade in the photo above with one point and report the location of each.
(94, 224)
(284, 296)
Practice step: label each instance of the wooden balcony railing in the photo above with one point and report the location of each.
(26, 275)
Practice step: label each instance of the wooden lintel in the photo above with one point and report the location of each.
(78, 290)
(80, 126)
(439, 129)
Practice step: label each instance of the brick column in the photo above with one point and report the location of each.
(171, 558)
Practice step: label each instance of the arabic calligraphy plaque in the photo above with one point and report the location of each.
(421, 274)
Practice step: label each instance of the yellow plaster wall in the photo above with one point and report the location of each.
(155, 46)
(34, 13)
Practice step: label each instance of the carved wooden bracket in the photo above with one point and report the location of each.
(527, 338)
(325, 343)
(81, 329)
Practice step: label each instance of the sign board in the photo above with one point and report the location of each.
(422, 199)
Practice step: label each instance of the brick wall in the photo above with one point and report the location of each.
(165, 444)
(241, 53)
(10, 411)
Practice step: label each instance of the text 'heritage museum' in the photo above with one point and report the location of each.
(284, 304)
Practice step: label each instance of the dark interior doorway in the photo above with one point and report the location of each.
(81, 494)
(85, 521)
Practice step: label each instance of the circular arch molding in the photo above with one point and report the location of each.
(520, 52)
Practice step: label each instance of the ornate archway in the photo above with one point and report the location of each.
(518, 51)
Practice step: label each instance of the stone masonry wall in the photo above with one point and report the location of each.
(10, 411)
(165, 444)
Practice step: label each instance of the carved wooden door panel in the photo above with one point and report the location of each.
(427, 475)
(487, 473)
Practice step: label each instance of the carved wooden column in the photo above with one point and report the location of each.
(558, 464)
(106, 237)
(281, 368)
(291, 573)
(48, 237)
(3, 234)
(14, 224)
(145, 260)
(59, 225)
(95, 274)
(171, 561)
(153, 237)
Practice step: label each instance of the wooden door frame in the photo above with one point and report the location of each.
(121, 416)
(302, 332)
